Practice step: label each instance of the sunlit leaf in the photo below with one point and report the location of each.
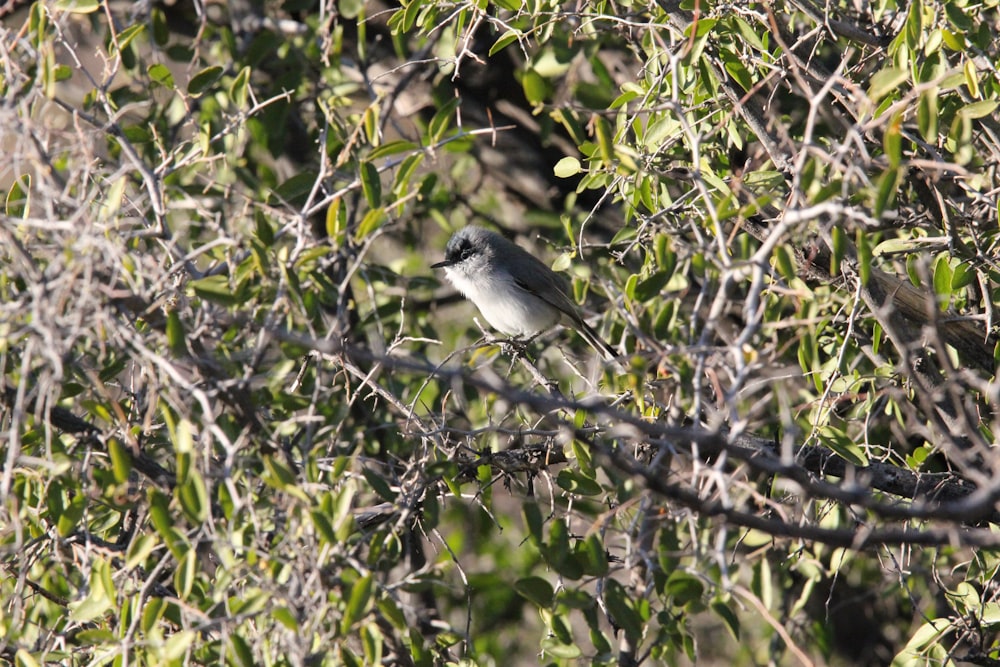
(204, 80)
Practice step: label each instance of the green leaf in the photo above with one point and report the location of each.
(574, 482)
(71, 515)
(630, 285)
(846, 448)
(121, 460)
(405, 172)
(785, 262)
(139, 550)
(892, 141)
(927, 115)
(839, 243)
(971, 78)
(729, 618)
(239, 91)
(186, 574)
(552, 646)
(378, 484)
(126, 36)
(536, 88)
(113, 199)
(605, 140)
(215, 289)
(279, 476)
(350, 9)
(391, 611)
(369, 121)
(914, 24)
(535, 589)
(442, 119)
(886, 81)
(557, 549)
(927, 634)
(358, 602)
(911, 270)
(504, 39)
(204, 80)
(372, 221)
(566, 167)
(177, 644)
(748, 34)
(942, 280)
(163, 522)
(683, 588)
(392, 148)
(295, 189)
(954, 40)
(91, 607)
(651, 287)
(618, 602)
(152, 613)
(176, 337)
(371, 184)
(286, 617)
(323, 527)
(78, 6)
(864, 255)
(740, 73)
(402, 22)
(336, 221)
(161, 75)
(963, 276)
(885, 196)
(193, 496)
(979, 109)
(595, 558)
(627, 96)
(241, 650)
(161, 29)
(100, 596)
(17, 202)
(533, 521)
(957, 17)
(38, 24)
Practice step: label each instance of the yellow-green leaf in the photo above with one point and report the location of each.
(971, 78)
(566, 167)
(121, 460)
(239, 90)
(161, 75)
(535, 87)
(78, 6)
(886, 81)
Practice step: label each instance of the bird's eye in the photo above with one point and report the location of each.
(466, 251)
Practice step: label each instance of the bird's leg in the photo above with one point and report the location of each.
(515, 347)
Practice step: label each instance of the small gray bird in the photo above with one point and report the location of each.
(516, 293)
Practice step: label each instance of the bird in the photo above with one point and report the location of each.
(517, 294)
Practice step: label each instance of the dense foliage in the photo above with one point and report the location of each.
(243, 421)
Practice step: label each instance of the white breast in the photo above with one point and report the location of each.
(507, 307)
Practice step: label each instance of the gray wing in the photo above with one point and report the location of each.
(549, 287)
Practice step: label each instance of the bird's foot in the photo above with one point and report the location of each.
(514, 347)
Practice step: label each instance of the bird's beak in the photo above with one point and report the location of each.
(441, 265)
